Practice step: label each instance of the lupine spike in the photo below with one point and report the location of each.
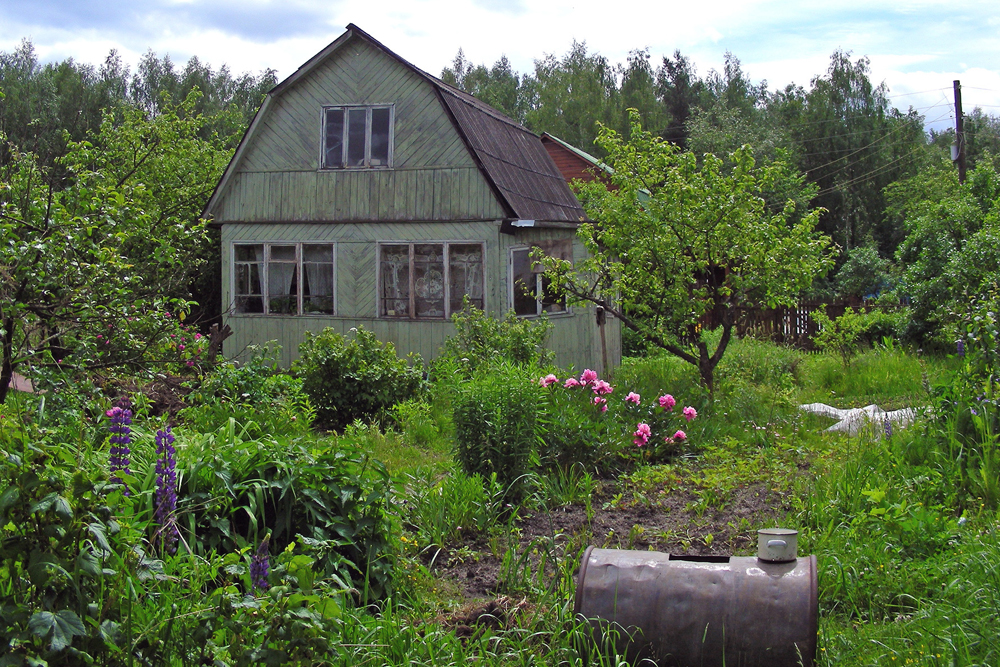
(121, 439)
(260, 565)
(165, 497)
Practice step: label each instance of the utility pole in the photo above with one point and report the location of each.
(959, 132)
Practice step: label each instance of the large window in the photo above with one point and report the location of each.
(283, 278)
(429, 280)
(529, 288)
(357, 137)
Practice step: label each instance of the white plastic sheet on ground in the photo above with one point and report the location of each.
(853, 420)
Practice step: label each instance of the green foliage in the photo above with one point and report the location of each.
(864, 273)
(59, 571)
(480, 339)
(233, 490)
(682, 238)
(356, 378)
(496, 423)
(442, 512)
(95, 264)
(949, 253)
(416, 422)
(843, 335)
(255, 393)
(574, 430)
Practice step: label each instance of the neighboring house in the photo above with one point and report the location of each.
(367, 192)
(574, 163)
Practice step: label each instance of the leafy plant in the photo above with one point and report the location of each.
(233, 490)
(348, 379)
(255, 393)
(61, 566)
(460, 505)
(496, 423)
(843, 335)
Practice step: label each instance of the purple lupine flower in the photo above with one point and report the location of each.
(165, 497)
(960, 347)
(260, 565)
(121, 438)
(888, 429)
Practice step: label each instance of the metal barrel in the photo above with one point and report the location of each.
(700, 610)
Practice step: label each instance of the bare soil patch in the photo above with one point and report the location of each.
(672, 523)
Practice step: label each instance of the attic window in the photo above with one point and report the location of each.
(357, 137)
(429, 280)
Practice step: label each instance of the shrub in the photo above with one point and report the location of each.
(354, 379)
(255, 394)
(843, 335)
(496, 422)
(481, 339)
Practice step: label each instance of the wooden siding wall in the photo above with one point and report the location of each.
(433, 175)
(574, 337)
(570, 165)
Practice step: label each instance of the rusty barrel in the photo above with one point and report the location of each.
(700, 610)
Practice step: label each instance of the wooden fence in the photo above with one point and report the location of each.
(790, 325)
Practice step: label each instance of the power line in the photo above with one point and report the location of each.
(919, 92)
(870, 174)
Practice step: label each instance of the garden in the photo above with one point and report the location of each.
(161, 504)
(358, 510)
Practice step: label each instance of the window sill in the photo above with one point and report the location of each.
(559, 315)
(336, 169)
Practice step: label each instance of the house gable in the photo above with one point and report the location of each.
(276, 174)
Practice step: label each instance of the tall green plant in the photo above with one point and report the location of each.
(496, 423)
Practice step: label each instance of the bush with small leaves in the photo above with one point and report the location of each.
(348, 379)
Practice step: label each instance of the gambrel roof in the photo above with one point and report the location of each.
(526, 182)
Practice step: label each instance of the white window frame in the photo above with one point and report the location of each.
(264, 278)
(368, 137)
(412, 317)
(539, 294)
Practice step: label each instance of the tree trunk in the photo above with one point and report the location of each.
(7, 365)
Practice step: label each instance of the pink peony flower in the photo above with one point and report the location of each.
(180, 347)
(690, 413)
(571, 382)
(197, 336)
(548, 380)
(601, 388)
(641, 434)
(588, 376)
(633, 397)
(680, 435)
(601, 402)
(667, 402)
(191, 363)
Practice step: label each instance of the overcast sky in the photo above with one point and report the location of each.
(918, 47)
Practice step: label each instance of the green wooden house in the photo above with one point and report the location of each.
(368, 192)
